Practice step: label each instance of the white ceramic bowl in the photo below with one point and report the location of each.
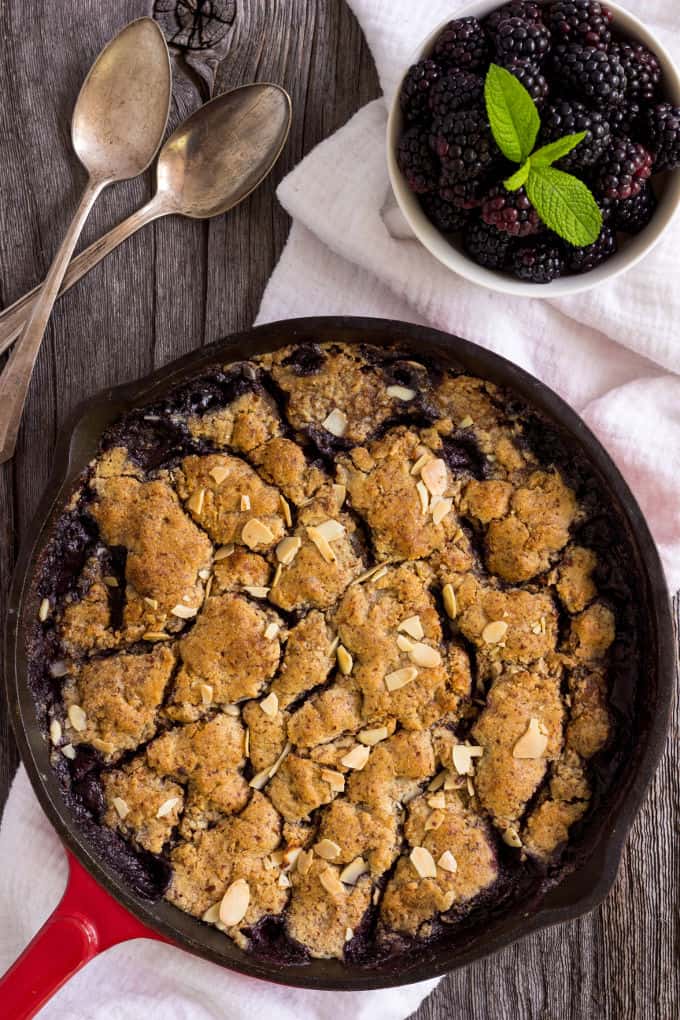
(666, 186)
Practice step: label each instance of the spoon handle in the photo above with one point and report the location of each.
(13, 317)
(16, 377)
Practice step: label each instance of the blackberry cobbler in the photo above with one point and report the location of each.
(326, 643)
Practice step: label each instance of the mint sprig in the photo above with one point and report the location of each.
(564, 203)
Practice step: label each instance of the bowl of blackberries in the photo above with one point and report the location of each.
(534, 147)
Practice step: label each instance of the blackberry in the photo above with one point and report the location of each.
(624, 168)
(416, 161)
(592, 73)
(569, 117)
(463, 44)
(511, 212)
(584, 22)
(517, 9)
(633, 214)
(486, 245)
(537, 261)
(642, 69)
(626, 120)
(455, 91)
(582, 260)
(663, 132)
(524, 39)
(416, 88)
(465, 145)
(531, 77)
(462, 194)
(446, 217)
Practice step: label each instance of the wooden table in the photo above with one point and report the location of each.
(181, 284)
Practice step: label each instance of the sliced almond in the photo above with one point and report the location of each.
(448, 862)
(450, 601)
(331, 883)
(289, 856)
(423, 861)
(167, 806)
(153, 603)
(331, 530)
(246, 741)
(260, 779)
(195, 502)
(277, 576)
(68, 751)
(105, 746)
(55, 731)
(270, 705)
(232, 710)
(44, 610)
(206, 693)
(219, 473)
(183, 612)
(494, 632)
(437, 800)
(465, 422)
(285, 510)
(356, 758)
(367, 574)
(423, 496)
(284, 881)
(327, 849)
(345, 660)
(401, 393)
(425, 655)
(336, 422)
(413, 627)
(511, 837)
(462, 758)
(354, 870)
(204, 574)
(404, 644)
(212, 914)
(400, 677)
(380, 572)
(304, 861)
(110, 581)
(256, 533)
(421, 462)
(271, 630)
(434, 820)
(335, 780)
(451, 781)
(58, 669)
(121, 807)
(435, 477)
(533, 743)
(322, 544)
(287, 549)
(223, 552)
(156, 635)
(77, 718)
(235, 903)
(372, 737)
(284, 754)
(340, 493)
(440, 508)
(436, 782)
(257, 592)
(349, 934)
(245, 503)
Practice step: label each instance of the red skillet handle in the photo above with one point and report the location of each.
(86, 922)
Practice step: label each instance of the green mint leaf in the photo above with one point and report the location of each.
(512, 114)
(549, 154)
(519, 178)
(565, 205)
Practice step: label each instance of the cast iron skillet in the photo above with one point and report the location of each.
(90, 919)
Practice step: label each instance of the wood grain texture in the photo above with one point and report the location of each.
(180, 284)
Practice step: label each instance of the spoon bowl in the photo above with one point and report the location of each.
(223, 151)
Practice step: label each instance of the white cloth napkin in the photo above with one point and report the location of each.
(611, 353)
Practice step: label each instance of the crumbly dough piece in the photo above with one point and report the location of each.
(487, 501)
(394, 773)
(165, 550)
(368, 620)
(298, 788)
(310, 581)
(267, 735)
(475, 405)
(503, 782)
(208, 756)
(531, 621)
(338, 381)
(282, 463)
(246, 423)
(382, 489)
(213, 489)
(410, 903)
(589, 724)
(140, 794)
(575, 584)
(237, 848)
(321, 917)
(327, 715)
(227, 650)
(358, 832)
(522, 544)
(308, 659)
(121, 696)
(85, 624)
(592, 633)
(239, 570)
(548, 826)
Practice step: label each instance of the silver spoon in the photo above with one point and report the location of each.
(118, 123)
(214, 160)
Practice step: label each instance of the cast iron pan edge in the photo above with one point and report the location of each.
(580, 891)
